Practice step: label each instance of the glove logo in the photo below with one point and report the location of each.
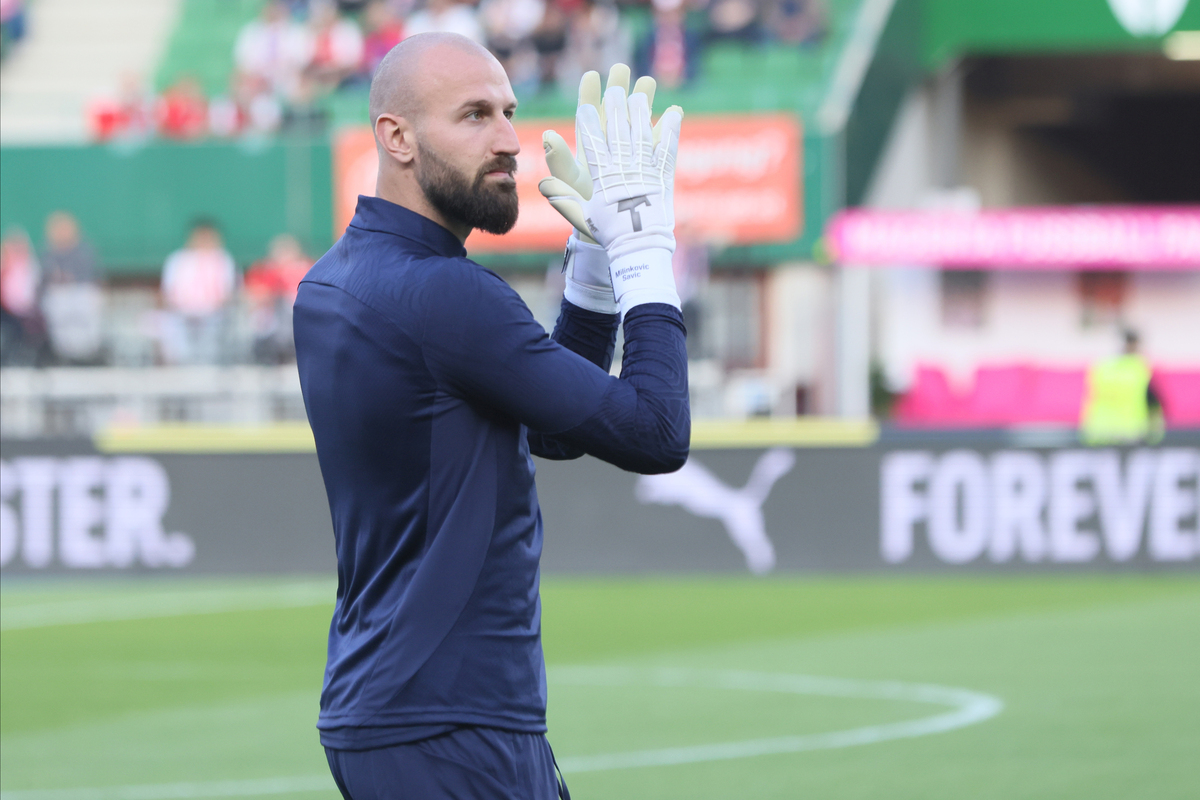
(631, 205)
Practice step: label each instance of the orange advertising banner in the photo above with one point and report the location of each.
(737, 181)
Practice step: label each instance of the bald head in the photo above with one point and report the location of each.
(407, 74)
(441, 109)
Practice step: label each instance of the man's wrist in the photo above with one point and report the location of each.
(644, 276)
(590, 298)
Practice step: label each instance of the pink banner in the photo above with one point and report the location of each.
(1116, 237)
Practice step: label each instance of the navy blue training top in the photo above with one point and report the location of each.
(428, 384)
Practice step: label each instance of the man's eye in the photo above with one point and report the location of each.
(474, 115)
(508, 114)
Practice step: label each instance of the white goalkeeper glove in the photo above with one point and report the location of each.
(588, 283)
(620, 189)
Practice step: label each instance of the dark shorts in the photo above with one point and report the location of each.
(465, 764)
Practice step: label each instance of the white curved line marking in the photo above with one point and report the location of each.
(969, 708)
(170, 603)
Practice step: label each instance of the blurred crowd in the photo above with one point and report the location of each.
(53, 301)
(297, 53)
(12, 25)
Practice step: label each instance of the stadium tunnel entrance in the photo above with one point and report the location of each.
(1054, 129)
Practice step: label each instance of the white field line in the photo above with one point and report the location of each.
(968, 707)
(150, 605)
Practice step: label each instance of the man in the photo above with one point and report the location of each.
(271, 51)
(446, 16)
(428, 384)
(198, 282)
(22, 336)
(72, 301)
(1120, 404)
(271, 286)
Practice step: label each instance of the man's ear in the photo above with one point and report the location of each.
(397, 137)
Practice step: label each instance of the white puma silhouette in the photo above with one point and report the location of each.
(699, 491)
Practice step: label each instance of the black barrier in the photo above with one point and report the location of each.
(956, 503)
(69, 508)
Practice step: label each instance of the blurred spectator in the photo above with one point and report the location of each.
(273, 50)
(226, 117)
(595, 41)
(738, 20)
(670, 51)
(182, 110)
(67, 258)
(271, 286)
(337, 48)
(128, 115)
(245, 110)
(402, 9)
(305, 113)
(197, 284)
(1120, 404)
(12, 24)
(384, 31)
(803, 22)
(21, 337)
(449, 16)
(509, 26)
(72, 302)
(550, 39)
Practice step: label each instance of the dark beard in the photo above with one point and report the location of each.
(489, 208)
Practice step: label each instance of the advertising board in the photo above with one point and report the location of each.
(68, 508)
(1131, 237)
(738, 178)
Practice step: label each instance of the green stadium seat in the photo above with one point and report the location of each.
(201, 45)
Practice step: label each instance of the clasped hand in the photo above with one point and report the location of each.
(617, 193)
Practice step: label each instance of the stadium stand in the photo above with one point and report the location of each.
(74, 51)
(840, 66)
(727, 73)
(196, 42)
(201, 44)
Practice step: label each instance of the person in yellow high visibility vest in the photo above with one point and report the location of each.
(1120, 405)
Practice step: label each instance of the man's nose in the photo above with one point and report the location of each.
(506, 142)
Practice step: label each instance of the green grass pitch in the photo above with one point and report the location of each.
(659, 688)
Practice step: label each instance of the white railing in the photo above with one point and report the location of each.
(82, 401)
(78, 401)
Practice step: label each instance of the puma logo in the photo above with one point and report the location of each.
(631, 205)
(699, 492)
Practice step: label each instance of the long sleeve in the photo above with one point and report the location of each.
(588, 334)
(483, 344)
(644, 421)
